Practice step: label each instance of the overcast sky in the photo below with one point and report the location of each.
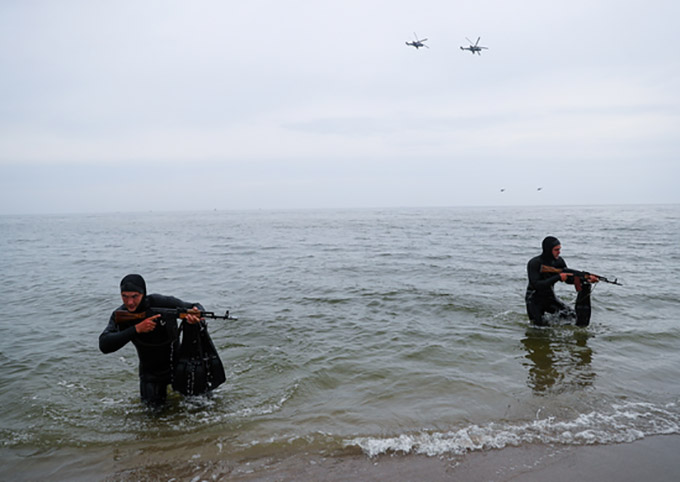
(206, 104)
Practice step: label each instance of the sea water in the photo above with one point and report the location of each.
(374, 331)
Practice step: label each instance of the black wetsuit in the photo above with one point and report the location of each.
(540, 296)
(155, 349)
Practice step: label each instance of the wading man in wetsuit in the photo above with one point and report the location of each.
(154, 338)
(540, 296)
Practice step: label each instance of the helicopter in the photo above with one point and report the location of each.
(417, 43)
(474, 47)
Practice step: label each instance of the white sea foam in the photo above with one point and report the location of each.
(625, 423)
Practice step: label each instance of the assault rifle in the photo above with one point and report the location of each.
(122, 316)
(577, 274)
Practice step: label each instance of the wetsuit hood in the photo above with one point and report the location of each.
(135, 282)
(548, 244)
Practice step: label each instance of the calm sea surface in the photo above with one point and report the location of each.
(384, 331)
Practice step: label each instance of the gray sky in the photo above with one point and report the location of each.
(162, 105)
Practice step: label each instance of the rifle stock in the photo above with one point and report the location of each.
(577, 273)
(124, 317)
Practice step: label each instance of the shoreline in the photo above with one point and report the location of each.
(652, 458)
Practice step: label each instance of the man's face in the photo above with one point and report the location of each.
(131, 299)
(556, 251)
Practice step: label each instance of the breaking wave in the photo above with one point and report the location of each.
(626, 422)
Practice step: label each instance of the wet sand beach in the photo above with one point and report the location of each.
(653, 459)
